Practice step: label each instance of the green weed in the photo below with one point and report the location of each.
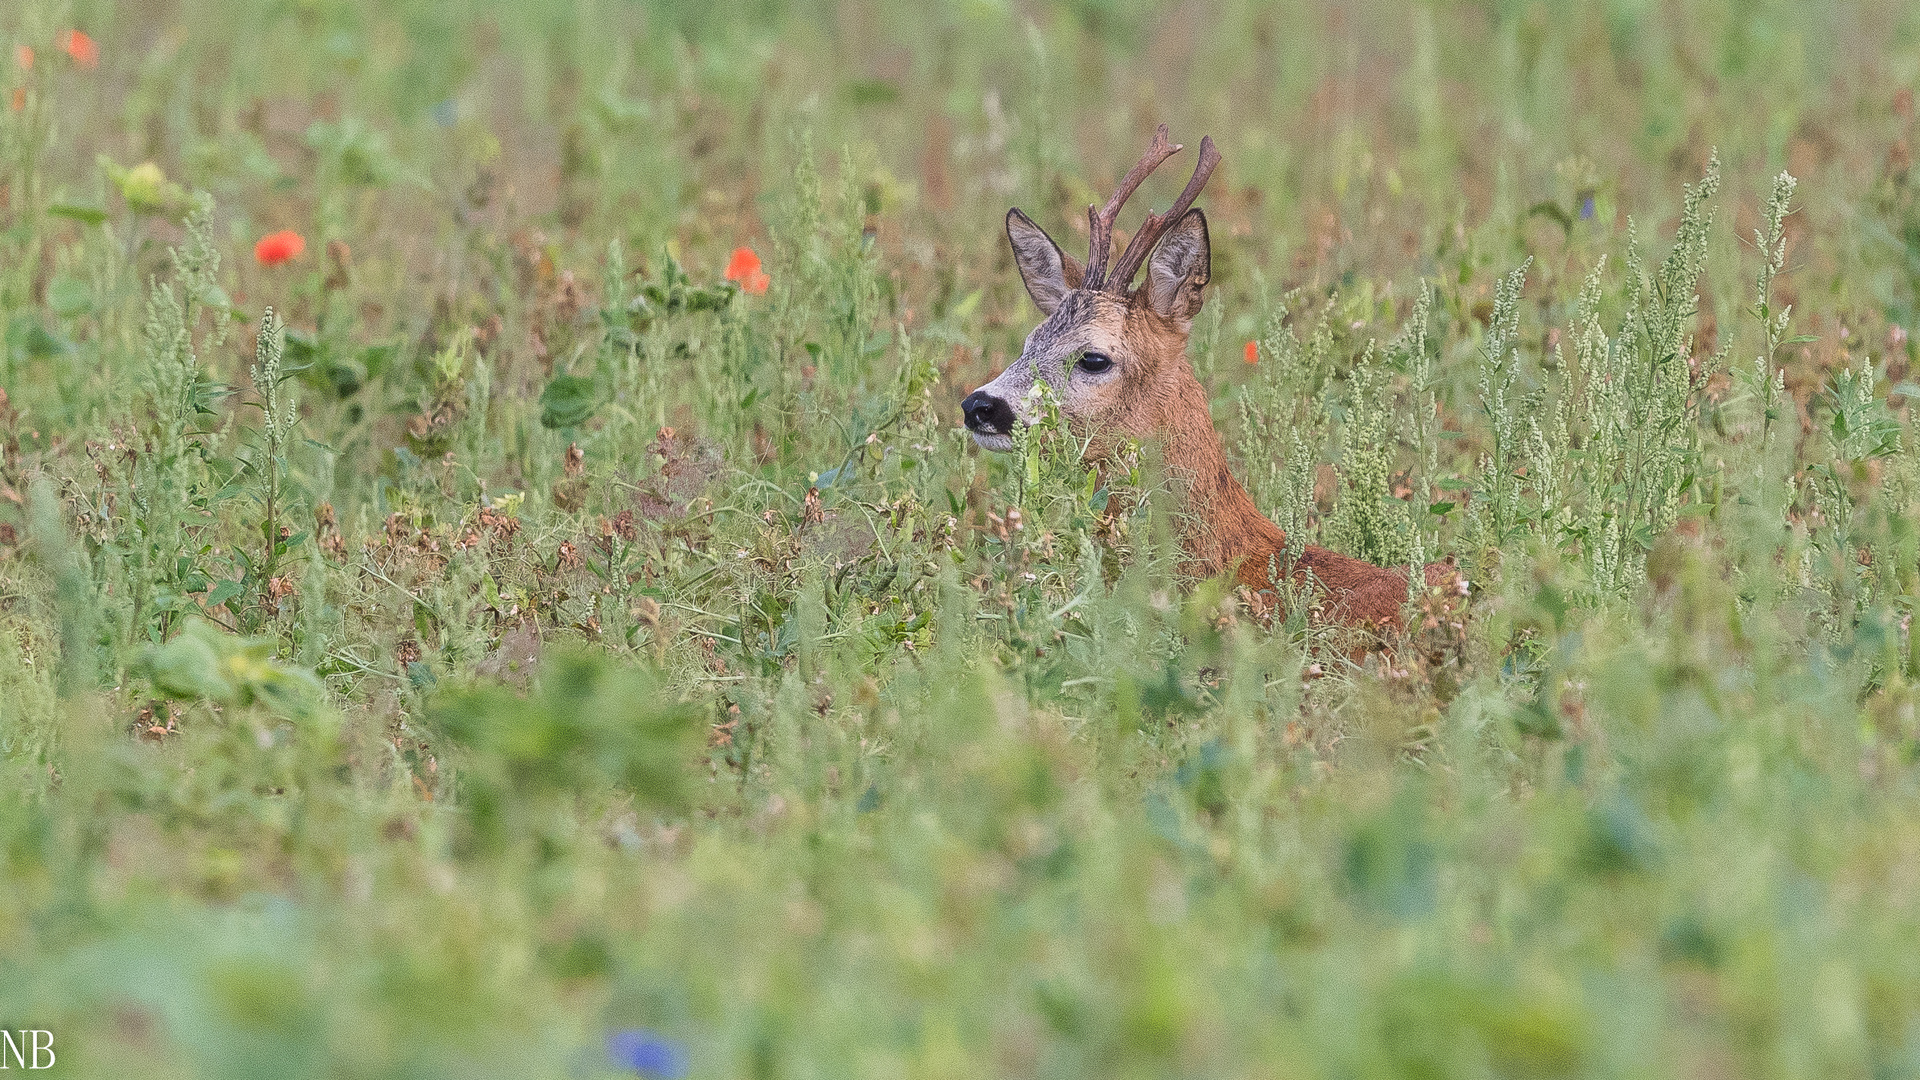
(530, 648)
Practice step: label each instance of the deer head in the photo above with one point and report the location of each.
(1113, 355)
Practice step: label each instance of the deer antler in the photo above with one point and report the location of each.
(1100, 221)
(1141, 245)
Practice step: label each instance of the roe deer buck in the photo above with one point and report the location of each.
(1116, 360)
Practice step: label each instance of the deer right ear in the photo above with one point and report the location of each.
(1049, 273)
(1178, 270)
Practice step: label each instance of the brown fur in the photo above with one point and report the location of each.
(1226, 534)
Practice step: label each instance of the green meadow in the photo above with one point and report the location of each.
(463, 616)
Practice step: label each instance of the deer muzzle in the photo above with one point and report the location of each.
(990, 418)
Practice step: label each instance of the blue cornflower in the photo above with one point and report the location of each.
(1586, 206)
(647, 1053)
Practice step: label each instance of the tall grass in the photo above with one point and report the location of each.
(498, 642)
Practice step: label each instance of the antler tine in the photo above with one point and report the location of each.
(1141, 245)
(1100, 222)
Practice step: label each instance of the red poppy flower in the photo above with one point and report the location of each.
(744, 267)
(19, 98)
(81, 48)
(1253, 352)
(23, 55)
(276, 248)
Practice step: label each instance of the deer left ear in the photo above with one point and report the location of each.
(1178, 271)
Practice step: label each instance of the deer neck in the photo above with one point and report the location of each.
(1224, 531)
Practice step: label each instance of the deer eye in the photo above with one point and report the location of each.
(1094, 363)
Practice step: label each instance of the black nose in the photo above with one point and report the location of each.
(987, 414)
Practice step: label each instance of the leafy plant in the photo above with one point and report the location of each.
(280, 413)
(588, 724)
(203, 663)
(614, 663)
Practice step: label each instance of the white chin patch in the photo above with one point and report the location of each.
(999, 444)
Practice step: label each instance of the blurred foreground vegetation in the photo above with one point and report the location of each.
(532, 651)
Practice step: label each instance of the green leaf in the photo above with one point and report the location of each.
(862, 92)
(1536, 719)
(188, 667)
(224, 592)
(299, 349)
(208, 394)
(344, 377)
(86, 215)
(27, 337)
(69, 296)
(351, 152)
(218, 300)
(203, 662)
(1554, 212)
(568, 401)
(589, 722)
(708, 297)
(375, 359)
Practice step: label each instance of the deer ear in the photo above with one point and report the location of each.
(1049, 273)
(1178, 271)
